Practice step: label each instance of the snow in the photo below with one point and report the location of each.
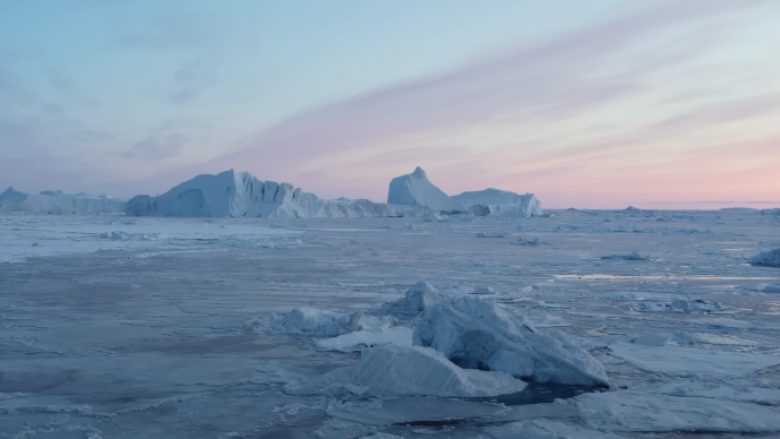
(693, 362)
(546, 429)
(416, 190)
(358, 340)
(642, 412)
(49, 202)
(496, 202)
(392, 370)
(479, 334)
(766, 259)
(240, 194)
(417, 299)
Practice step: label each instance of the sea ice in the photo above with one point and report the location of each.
(546, 429)
(490, 235)
(694, 362)
(770, 258)
(359, 340)
(416, 190)
(643, 412)
(391, 370)
(482, 335)
(775, 211)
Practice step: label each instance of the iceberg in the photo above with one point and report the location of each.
(478, 334)
(495, 202)
(51, 202)
(416, 300)
(241, 194)
(417, 191)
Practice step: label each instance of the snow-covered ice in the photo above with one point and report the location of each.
(482, 335)
(393, 370)
(497, 202)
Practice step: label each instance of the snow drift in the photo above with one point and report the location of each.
(766, 259)
(240, 194)
(51, 202)
(416, 190)
(478, 334)
(391, 370)
(496, 202)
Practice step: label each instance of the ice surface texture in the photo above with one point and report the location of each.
(240, 194)
(481, 335)
(766, 259)
(391, 370)
(326, 323)
(416, 300)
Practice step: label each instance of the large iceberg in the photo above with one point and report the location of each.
(391, 370)
(51, 202)
(240, 194)
(416, 190)
(500, 203)
(478, 334)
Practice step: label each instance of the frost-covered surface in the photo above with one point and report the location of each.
(121, 327)
(766, 259)
(392, 370)
(57, 203)
(479, 334)
(241, 194)
(416, 190)
(500, 203)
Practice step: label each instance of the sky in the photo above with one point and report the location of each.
(587, 104)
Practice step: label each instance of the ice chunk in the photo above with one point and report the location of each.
(633, 256)
(416, 190)
(496, 202)
(766, 259)
(632, 209)
(490, 235)
(482, 335)
(644, 412)
(775, 211)
(547, 429)
(391, 370)
(652, 339)
(416, 300)
(326, 323)
(688, 361)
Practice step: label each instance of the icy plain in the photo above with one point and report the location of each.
(121, 327)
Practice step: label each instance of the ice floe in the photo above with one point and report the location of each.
(482, 335)
(633, 256)
(416, 300)
(636, 411)
(325, 323)
(693, 362)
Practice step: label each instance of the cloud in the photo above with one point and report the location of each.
(556, 80)
(155, 149)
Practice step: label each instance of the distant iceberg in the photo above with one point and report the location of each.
(417, 191)
(496, 202)
(57, 202)
(241, 194)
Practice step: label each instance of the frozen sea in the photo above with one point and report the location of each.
(118, 327)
